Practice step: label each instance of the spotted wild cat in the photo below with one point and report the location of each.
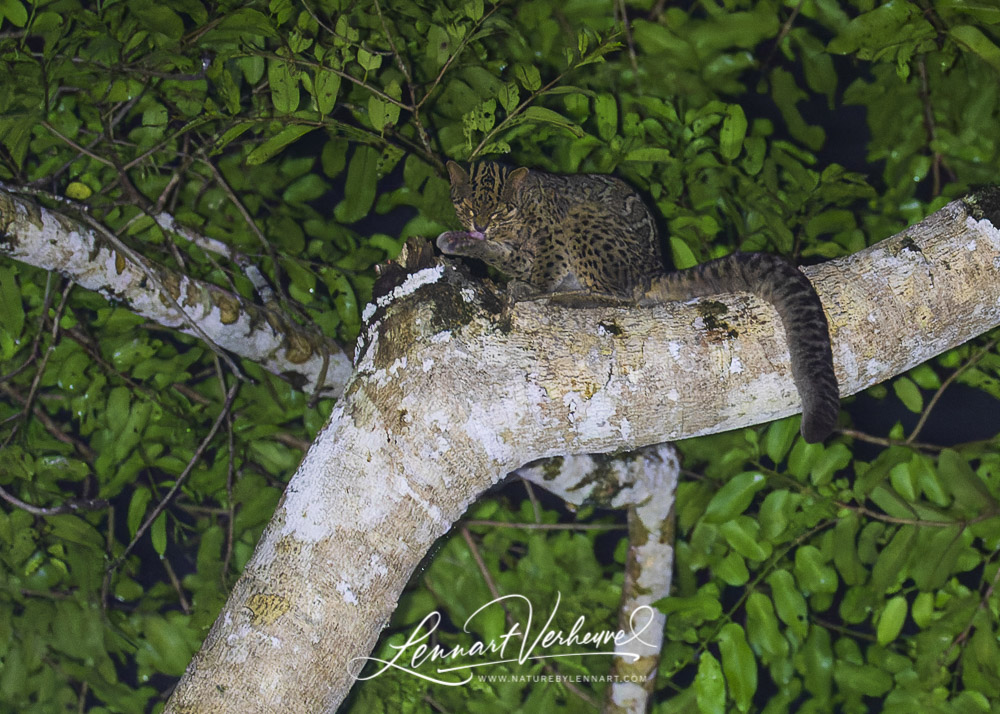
(593, 234)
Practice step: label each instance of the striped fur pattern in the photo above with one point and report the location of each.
(593, 234)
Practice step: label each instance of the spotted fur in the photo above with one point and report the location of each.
(593, 233)
(555, 233)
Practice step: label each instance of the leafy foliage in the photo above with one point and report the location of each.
(310, 138)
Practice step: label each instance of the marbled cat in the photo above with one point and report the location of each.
(593, 235)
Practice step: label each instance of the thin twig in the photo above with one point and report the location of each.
(945, 384)
(532, 97)
(786, 27)
(421, 131)
(178, 482)
(340, 73)
(29, 399)
(82, 149)
(458, 50)
(621, 9)
(72, 506)
(883, 441)
(495, 592)
(178, 588)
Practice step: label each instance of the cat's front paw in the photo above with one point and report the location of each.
(457, 242)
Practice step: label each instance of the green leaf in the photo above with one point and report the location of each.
(276, 143)
(909, 394)
(775, 511)
(903, 481)
(74, 529)
(15, 135)
(606, 112)
(892, 566)
(925, 376)
(867, 680)
(247, 21)
(368, 61)
(346, 303)
(325, 86)
(334, 157)
(438, 45)
(817, 656)
(252, 67)
(985, 12)
(944, 552)
(845, 550)
(710, 686)
(789, 602)
(779, 439)
(547, 116)
(230, 134)
(734, 497)
(11, 307)
(787, 95)
(509, 96)
(973, 39)
(957, 476)
(756, 150)
(732, 570)
(648, 153)
(158, 533)
(378, 113)
(361, 178)
(812, 571)
(284, 82)
(681, 255)
(118, 408)
(158, 18)
(892, 23)
(829, 463)
(137, 509)
(473, 9)
(923, 609)
(739, 665)
(14, 11)
(305, 188)
(762, 628)
(734, 128)
(743, 534)
(890, 623)
(528, 76)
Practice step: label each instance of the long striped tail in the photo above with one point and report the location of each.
(779, 282)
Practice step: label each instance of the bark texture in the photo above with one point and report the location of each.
(53, 241)
(453, 390)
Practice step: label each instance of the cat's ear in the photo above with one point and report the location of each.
(514, 181)
(457, 174)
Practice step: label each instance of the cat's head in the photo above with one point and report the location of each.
(487, 197)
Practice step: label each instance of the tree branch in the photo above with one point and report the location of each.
(453, 389)
(53, 241)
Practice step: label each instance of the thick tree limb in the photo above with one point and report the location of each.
(452, 391)
(46, 239)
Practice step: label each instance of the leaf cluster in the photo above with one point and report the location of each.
(309, 139)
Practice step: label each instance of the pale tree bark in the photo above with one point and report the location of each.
(75, 249)
(645, 483)
(453, 389)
